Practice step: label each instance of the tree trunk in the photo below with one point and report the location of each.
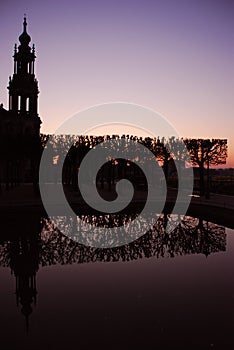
(201, 169)
(208, 181)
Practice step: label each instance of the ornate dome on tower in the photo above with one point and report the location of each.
(24, 38)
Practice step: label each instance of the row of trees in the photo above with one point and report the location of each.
(202, 153)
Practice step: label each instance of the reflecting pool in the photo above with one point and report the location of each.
(163, 291)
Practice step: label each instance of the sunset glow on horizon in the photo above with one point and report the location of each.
(175, 57)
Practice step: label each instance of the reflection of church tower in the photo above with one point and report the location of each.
(25, 263)
(23, 86)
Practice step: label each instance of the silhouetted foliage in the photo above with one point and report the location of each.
(206, 152)
(170, 153)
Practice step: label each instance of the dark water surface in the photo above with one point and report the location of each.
(163, 291)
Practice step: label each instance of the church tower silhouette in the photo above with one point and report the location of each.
(20, 124)
(23, 86)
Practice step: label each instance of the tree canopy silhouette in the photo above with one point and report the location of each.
(206, 152)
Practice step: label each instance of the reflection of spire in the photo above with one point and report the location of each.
(24, 263)
(26, 294)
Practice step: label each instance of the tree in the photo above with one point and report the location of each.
(216, 154)
(206, 152)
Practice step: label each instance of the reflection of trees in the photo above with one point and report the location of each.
(192, 236)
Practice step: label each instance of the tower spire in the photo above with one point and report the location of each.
(24, 38)
(23, 87)
(25, 24)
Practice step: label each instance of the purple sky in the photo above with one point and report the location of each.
(173, 56)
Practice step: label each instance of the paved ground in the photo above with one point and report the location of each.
(24, 195)
(218, 200)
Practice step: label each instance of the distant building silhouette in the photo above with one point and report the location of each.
(20, 124)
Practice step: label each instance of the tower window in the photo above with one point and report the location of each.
(19, 100)
(27, 104)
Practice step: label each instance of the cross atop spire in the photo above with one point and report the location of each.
(25, 23)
